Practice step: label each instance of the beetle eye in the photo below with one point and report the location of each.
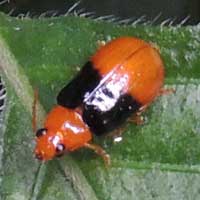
(60, 148)
(41, 132)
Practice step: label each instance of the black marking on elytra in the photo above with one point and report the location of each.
(72, 94)
(101, 122)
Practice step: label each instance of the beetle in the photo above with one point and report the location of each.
(118, 82)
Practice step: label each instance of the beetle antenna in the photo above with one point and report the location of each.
(34, 108)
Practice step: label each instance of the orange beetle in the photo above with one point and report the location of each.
(118, 82)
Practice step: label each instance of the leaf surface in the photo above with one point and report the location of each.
(159, 160)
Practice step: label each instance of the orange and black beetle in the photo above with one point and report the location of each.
(118, 81)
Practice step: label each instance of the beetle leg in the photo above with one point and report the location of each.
(100, 151)
(116, 135)
(35, 100)
(137, 118)
(164, 91)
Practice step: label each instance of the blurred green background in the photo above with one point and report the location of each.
(175, 10)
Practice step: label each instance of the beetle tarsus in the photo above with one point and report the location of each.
(137, 118)
(100, 151)
(164, 91)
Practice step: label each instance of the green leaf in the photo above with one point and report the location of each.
(159, 160)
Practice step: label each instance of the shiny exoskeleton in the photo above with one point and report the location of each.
(119, 80)
(104, 101)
